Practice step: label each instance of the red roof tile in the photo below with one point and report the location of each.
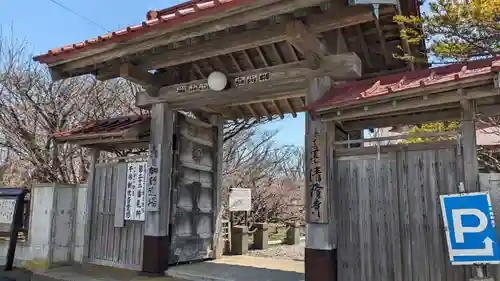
(155, 20)
(114, 125)
(362, 90)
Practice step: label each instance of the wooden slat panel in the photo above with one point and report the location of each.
(418, 246)
(389, 220)
(362, 269)
(120, 187)
(113, 246)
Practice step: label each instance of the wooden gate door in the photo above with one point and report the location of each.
(194, 194)
(389, 217)
(110, 245)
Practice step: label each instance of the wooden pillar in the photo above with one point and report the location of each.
(94, 156)
(320, 252)
(469, 148)
(156, 239)
(218, 241)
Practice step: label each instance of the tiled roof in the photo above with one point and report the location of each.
(117, 125)
(155, 20)
(362, 90)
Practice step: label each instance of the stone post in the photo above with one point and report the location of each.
(239, 240)
(261, 236)
(293, 234)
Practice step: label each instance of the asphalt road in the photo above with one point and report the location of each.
(15, 275)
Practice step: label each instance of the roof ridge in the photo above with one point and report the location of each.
(389, 84)
(168, 17)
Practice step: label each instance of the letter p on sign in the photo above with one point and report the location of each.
(460, 229)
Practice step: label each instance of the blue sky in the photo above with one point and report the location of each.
(45, 25)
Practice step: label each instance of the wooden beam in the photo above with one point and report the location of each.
(292, 51)
(277, 54)
(197, 68)
(317, 24)
(240, 112)
(252, 110)
(469, 146)
(219, 64)
(249, 59)
(262, 56)
(306, 43)
(231, 97)
(304, 40)
(225, 45)
(278, 109)
(344, 17)
(444, 99)
(406, 45)
(90, 207)
(138, 76)
(276, 78)
(264, 109)
(364, 46)
(235, 62)
(336, 42)
(290, 106)
(156, 225)
(418, 117)
(385, 51)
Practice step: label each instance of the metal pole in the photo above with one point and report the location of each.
(479, 271)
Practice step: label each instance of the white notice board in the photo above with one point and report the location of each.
(135, 191)
(240, 199)
(7, 207)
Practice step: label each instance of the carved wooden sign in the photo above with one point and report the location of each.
(7, 207)
(317, 193)
(135, 192)
(153, 187)
(237, 81)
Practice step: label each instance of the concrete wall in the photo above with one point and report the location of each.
(56, 228)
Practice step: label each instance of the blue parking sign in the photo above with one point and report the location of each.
(470, 228)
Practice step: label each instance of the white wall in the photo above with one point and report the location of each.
(56, 228)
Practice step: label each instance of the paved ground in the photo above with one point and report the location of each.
(15, 275)
(277, 263)
(94, 273)
(77, 274)
(241, 268)
(287, 252)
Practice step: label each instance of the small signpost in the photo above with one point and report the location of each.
(11, 212)
(240, 200)
(470, 229)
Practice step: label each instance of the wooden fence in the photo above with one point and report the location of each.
(389, 217)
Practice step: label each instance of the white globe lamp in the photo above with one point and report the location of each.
(217, 81)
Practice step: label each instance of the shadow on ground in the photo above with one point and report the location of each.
(16, 274)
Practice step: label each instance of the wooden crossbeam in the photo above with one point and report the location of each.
(226, 45)
(441, 98)
(306, 43)
(336, 42)
(403, 118)
(136, 75)
(289, 88)
(273, 79)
